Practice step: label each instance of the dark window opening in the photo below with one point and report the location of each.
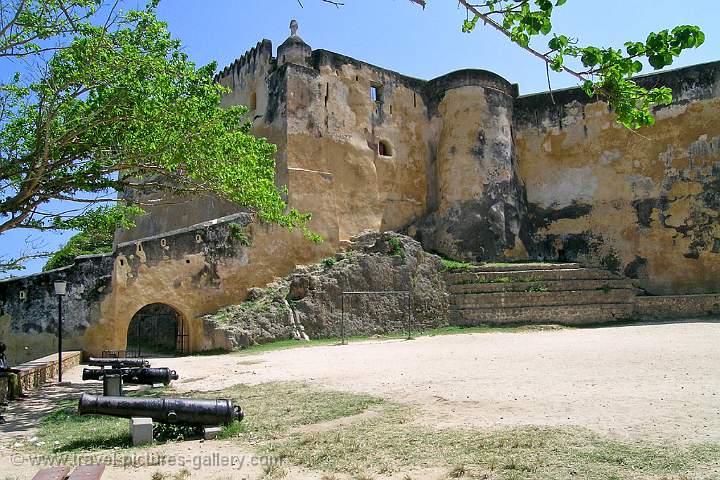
(376, 93)
(327, 93)
(253, 101)
(384, 148)
(415, 100)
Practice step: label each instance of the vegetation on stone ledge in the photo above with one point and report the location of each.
(260, 301)
(396, 248)
(238, 233)
(455, 265)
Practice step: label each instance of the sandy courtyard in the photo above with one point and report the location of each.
(646, 381)
(649, 381)
(652, 382)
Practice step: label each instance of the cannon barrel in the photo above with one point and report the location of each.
(118, 362)
(135, 376)
(201, 413)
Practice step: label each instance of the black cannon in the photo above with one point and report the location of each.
(202, 413)
(135, 376)
(119, 362)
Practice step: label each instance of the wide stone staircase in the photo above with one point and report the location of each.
(544, 293)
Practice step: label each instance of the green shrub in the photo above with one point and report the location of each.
(396, 248)
(238, 233)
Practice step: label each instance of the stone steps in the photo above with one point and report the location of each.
(510, 276)
(543, 285)
(511, 267)
(538, 293)
(532, 299)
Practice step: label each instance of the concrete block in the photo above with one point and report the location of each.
(141, 429)
(112, 386)
(211, 433)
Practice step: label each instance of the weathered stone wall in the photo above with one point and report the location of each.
(194, 270)
(478, 202)
(43, 370)
(29, 321)
(335, 128)
(476, 173)
(458, 162)
(646, 203)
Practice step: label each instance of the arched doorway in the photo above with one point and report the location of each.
(157, 330)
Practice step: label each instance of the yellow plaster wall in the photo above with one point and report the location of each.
(196, 284)
(592, 160)
(334, 127)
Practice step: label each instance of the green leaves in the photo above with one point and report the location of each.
(603, 72)
(97, 230)
(122, 110)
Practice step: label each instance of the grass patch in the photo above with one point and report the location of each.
(287, 344)
(456, 266)
(396, 248)
(392, 443)
(271, 408)
(482, 278)
(65, 430)
(491, 329)
(274, 408)
(522, 263)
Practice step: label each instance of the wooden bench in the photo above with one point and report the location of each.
(83, 472)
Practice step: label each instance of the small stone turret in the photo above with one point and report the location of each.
(294, 49)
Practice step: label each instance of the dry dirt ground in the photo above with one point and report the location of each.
(654, 382)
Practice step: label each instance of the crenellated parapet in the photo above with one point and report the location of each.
(262, 53)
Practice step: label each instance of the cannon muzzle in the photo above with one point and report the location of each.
(202, 413)
(134, 376)
(119, 362)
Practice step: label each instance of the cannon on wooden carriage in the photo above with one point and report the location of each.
(189, 412)
(133, 376)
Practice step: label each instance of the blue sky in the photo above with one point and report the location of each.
(399, 35)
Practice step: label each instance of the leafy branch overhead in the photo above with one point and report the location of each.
(111, 110)
(603, 72)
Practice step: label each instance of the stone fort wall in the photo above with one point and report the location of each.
(646, 203)
(194, 270)
(460, 162)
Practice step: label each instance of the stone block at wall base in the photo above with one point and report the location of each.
(211, 433)
(677, 306)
